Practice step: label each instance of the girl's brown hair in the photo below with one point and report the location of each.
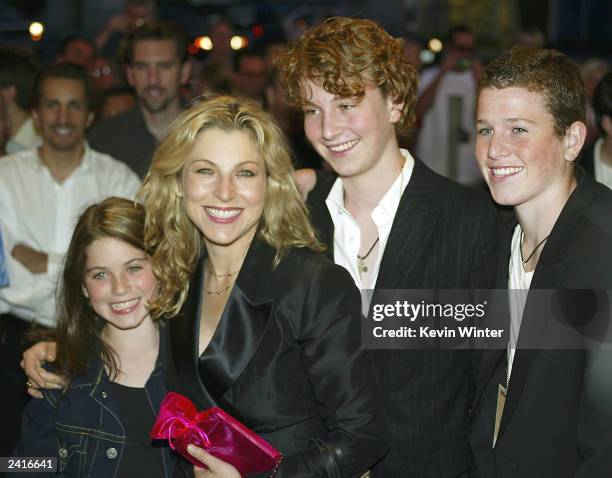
(79, 328)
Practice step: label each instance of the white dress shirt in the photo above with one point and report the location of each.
(519, 283)
(347, 233)
(26, 137)
(37, 211)
(603, 171)
(433, 144)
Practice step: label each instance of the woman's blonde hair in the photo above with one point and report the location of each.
(169, 231)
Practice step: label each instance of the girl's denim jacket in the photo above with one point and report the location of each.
(82, 427)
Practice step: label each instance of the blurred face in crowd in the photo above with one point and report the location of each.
(252, 76)
(116, 104)
(78, 51)
(103, 73)
(62, 114)
(221, 34)
(273, 51)
(464, 41)
(156, 74)
(137, 15)
(463, 45)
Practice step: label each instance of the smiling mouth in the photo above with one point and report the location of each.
(226, 213)
(500, 172)
(339, 148)
(155, 92)
(62, 130)
(120, 306)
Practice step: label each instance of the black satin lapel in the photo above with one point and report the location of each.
(319, 213)
(415, 222)
(238, 335)
(324, 226)
(535, 321)
(184, 345)
(326, 234)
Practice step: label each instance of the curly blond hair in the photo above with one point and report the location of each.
(343, 55)
(169, 231)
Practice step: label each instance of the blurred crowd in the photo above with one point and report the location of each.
(443, 116)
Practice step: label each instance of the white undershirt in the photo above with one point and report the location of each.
(347, 233)
(603, 171)
(519, 282)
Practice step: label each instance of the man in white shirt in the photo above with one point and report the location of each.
(42, 192)
(393, 224)
(447, 97)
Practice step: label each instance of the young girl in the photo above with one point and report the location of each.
(107, 348)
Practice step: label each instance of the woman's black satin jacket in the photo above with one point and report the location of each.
(286, 360)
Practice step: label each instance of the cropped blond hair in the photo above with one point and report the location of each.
(169, 231)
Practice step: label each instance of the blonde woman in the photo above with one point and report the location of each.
(266, 328)
(262, 325)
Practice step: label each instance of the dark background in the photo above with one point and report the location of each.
(581, 28)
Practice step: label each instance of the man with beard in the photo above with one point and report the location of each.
(43, 190)
(155, 59)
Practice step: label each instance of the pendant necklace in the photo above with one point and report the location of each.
(525, 261)
(219, 276)
(361, 265)
(362, 268)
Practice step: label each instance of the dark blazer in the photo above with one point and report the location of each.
(557, 420)
(286, 361)
(587, 159)
(125, 137)
(442, 238)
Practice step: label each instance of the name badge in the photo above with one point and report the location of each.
(501, 401)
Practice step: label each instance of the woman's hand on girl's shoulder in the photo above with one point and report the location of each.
(38, 377)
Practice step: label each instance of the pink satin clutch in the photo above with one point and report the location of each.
(218, 433)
